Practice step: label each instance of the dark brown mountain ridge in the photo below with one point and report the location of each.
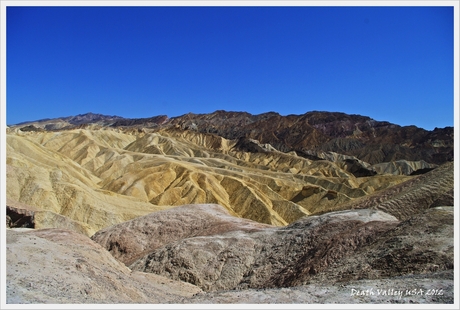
(310, 135)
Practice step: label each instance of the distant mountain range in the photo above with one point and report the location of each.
(311, 135)
(86, 118)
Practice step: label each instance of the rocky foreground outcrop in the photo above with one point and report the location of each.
(131, 240)
(358, 256)
(421, 245)
(235, 257)
(55, 266)
(273, 257)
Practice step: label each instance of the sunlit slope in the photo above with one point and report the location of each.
(50, 181)
(100, 177)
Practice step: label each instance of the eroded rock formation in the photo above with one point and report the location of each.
(205, 203)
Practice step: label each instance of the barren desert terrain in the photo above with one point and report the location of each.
(227, 208)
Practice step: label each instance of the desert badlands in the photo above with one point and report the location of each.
(229, 208)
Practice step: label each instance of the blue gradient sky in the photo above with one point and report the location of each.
(389, 63)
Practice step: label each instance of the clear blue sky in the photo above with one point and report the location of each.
(389, 63)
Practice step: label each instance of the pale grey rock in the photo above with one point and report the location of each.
(56, 266)
(130, 240)
(271, 257)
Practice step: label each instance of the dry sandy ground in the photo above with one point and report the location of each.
(53, 266)
(405, 290)
(60, 266)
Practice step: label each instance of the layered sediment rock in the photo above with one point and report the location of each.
(413, 196)
(98, 178)
(317, 131)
